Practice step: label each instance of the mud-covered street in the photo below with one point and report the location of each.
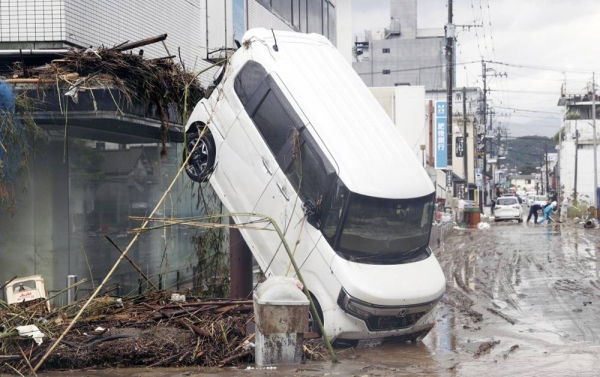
(520, 301)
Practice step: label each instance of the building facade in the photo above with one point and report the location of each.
(80, 189)
(576, 147)
(402, 54)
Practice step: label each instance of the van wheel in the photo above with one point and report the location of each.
(202, 161)
(313, 325)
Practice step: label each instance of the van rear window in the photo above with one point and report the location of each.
(507, 201)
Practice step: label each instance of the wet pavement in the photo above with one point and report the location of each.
(520, 301)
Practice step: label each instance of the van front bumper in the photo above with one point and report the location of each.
(357, 321)
(357, 334)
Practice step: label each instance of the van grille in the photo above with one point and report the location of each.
(383, 323)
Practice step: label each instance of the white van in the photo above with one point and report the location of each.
(293, 131)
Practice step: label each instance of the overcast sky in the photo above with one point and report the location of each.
(551, 40)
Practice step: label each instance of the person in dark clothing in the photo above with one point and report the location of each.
(533, 210)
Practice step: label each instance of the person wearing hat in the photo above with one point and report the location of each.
(548, 212)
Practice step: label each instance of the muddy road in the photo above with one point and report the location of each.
(520, 301)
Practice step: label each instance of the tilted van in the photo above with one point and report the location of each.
(294, 134)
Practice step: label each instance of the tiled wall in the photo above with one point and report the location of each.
(110, 22)
(31, 20)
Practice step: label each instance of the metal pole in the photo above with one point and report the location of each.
(71, 279)
(595, 145)
(576, 153)
(547, 182)
(485, 188)
(466, 144)
(449, 83)
(481, 201)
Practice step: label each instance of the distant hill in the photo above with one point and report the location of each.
(527, 152)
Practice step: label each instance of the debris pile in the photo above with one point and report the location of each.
(160, 82)
(149, 330)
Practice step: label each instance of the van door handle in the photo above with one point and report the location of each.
(283, 191)
(266, 165)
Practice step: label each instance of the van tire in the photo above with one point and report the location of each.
(313, 326)
(202, 162)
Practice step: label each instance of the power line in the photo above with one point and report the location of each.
(416, 69)
(527, 110)
(541, 67)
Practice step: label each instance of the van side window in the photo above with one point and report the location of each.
(306, 171)
(274, 123)
(248, 80)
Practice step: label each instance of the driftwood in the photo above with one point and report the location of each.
(146, 330)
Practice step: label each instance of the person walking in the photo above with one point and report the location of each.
(533, 211)
(547, 213)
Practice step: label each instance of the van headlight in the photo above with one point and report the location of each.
(353, 307)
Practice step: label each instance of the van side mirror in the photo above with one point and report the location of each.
(312, 212)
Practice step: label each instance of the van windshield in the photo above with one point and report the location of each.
(378, 230)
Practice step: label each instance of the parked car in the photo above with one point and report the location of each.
(515, 196)
(539, 199)
(294, 134)
(529, 197)
(508, 208)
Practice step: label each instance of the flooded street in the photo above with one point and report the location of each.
(520, 301)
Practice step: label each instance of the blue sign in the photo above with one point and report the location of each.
(440, 137)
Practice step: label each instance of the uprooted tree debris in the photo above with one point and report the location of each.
(146, 330)
(165, 88)
(159, 82)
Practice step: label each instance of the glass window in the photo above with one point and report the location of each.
(296, 13)
(238, 19)
(386, 50)
(379, 230)
(306, 170)
(325, 18)
(332, 24)
(386, 71)
(248, 80)
(283, 8)
(303, 16)
(333, 215)
(274, 123)
(507, 201)
(315, 16)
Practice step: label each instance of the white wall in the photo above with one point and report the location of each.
(406, 106)
(585, 159)
(345, 36)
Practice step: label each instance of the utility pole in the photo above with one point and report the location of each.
(547, 183)
(595, 145)
(465, 142)
(449, 82)
(482, 199)
(576, 153)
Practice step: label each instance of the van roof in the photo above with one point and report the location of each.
(371, 156)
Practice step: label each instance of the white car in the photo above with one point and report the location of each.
(529, 198)
(294, 134)
(508, 208)
(539, 199)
